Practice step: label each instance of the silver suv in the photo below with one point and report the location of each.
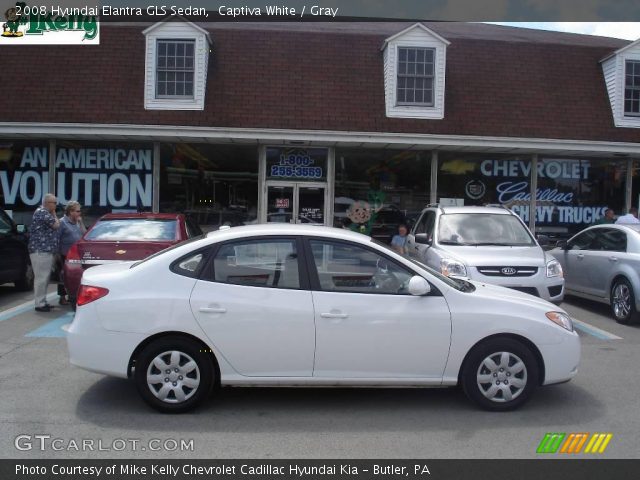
(487, 244)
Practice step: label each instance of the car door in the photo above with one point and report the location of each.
(420, 251)
(574, 259)
(12, 251)
(367, 324)
(254, 305)
(607, 251)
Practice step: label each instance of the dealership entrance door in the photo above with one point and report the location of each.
(296, 202)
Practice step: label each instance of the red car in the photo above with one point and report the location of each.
(119, 237)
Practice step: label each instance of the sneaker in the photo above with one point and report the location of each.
(46, 308)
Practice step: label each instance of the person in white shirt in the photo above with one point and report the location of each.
(631, 217)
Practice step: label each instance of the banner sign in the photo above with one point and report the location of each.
(105, 177)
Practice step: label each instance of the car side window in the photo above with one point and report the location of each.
(189, 265)
(5, 227)
(583, 241)
(258, 263)
(420, 225)
(193, 230)
(430, 222)
(351, 268)
(611, 240)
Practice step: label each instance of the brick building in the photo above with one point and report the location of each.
(255, 122)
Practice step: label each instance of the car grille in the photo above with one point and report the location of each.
(502, 271)
(530, 290)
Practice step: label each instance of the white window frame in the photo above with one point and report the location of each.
(416, 76)
(623, 93)
(176, 31)
(192, 72)
(417, 36)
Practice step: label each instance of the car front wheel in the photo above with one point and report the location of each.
(623, 303)
(174, 375)
(500, 374)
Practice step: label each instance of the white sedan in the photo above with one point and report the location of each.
(311, 306)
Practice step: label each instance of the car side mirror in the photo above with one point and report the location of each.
(543, 240)
(423, 239)
(563, 245)
(20, 228)
(418, 286)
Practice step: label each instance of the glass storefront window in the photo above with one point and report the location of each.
(573, 193)
(297, 164)
(104, 177)
(214, 184)
(377, 190)
(24, 177)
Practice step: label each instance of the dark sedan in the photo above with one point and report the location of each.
(15, 266)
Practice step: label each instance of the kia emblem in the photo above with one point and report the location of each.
(508, 271)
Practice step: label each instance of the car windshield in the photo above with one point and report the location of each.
(478, 229)
(458, 284)
(134, 229)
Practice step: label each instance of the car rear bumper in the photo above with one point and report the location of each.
(93, 348)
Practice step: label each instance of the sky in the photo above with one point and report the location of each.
(626, 30)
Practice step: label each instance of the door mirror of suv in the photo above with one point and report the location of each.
(423, 239)
(418, 286)
(20, 228)
(562, 244)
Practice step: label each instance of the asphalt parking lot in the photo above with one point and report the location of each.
(50, 409)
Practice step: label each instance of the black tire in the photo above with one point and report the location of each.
(25, 283)
(521, 382)
(623, 301)
(172, 382)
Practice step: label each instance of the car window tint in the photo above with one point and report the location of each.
(134, 229)
(189, 265)
(258, 263)
(582, 241)
(345, 267)
(5, 227)
(420, 225)
(611, 240)
(430, 220)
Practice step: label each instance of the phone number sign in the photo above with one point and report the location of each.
(296, 166)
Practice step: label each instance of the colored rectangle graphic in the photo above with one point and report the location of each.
(573, 443)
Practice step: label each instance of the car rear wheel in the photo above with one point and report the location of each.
(500, 374)
(25, 283)
(623, 302)
(174, 374)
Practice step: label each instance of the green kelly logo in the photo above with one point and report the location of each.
(40, 20)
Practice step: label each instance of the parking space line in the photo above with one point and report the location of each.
(594, 331)
(54, 328)
(22, 308)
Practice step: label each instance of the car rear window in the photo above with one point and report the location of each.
(134, 229)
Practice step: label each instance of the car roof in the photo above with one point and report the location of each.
(145, 215)
(474, 209)
(269, 229)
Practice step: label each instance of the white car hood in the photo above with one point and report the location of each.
(497, 256)
(490, 291)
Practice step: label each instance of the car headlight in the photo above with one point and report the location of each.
(554, 269)
(561, 319)
(452, 268)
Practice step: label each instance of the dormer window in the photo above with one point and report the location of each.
(415, 76)
(414, 68)
(176, 64)
(175, 68)
(632, 88)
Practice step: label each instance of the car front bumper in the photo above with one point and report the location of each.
(539, 285)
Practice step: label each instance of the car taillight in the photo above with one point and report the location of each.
(73, 255)
(88, 293)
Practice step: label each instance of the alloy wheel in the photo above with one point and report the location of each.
(621, 300)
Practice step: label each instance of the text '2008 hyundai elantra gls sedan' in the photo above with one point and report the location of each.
(311, 306)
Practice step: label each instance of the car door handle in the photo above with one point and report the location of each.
(613, 259)
(212, 310)
(334, 315)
